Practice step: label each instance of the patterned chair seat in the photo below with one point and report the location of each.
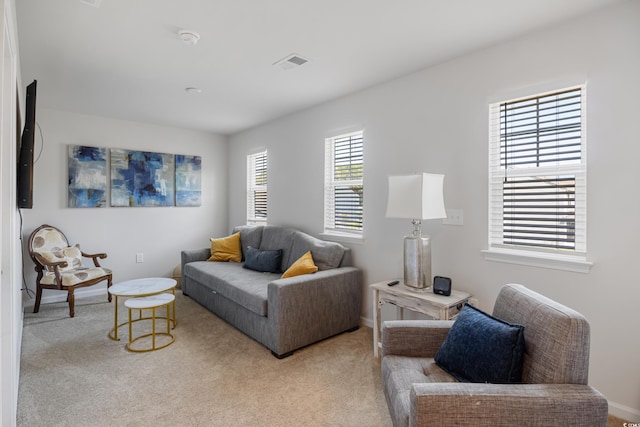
(75, 276)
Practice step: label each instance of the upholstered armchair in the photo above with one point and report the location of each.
(59, 265)
(553, 387)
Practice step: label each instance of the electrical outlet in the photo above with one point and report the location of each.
(139, 257)
(454, 217)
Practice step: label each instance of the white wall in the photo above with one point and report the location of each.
(10, 301)
(436, 121)
(160, 233)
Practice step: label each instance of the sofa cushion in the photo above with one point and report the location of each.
(274, 237)
(399, 373)
(480, 348)
(267, 261)
(226, 249)
(250, 235)
(247, 288)
(304, 265)
(326, 255)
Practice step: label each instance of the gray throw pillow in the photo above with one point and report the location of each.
(267, 261)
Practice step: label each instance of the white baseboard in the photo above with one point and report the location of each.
(624, 412)
(49, 296)
(365, 321)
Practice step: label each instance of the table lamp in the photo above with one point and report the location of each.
(416, 197)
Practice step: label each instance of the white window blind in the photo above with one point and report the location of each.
(537, 196)
(257, 187)
(343, 199)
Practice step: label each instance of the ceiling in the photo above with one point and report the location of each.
(124, 59)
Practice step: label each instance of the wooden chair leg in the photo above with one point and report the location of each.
(72, 299)
(36, 306)
(108, 286)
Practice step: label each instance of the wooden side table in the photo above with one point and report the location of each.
(439, 307)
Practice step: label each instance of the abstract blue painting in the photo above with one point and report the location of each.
(87, 177)
(141, 178)
(188, 180)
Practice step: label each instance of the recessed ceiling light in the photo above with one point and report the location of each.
(189, 37)
(94, 3)
(193, 90)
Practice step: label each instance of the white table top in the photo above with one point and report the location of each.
(150, 301)
(427, 295)
(142, 287)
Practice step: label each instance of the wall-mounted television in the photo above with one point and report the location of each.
(25, 158)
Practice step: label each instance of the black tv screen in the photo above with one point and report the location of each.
(25, 159)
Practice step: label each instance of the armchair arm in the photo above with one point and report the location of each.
(42, 265)
(43, 262)
(94, 257)
(414, 338)
(307, 308)
(474, 404)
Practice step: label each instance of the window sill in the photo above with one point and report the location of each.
(342, 237)
(575, 264)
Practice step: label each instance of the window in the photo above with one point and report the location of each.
(257, 188)
(343, 189)
(537, 194)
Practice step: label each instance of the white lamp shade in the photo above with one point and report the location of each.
(416, 196)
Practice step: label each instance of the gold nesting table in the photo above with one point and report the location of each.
(152, 303)
(139, 289)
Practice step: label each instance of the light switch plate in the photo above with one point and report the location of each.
(454, 217)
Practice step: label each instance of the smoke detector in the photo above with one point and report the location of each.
(292, 61)
(189, 37)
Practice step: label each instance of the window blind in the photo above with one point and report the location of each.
(344, 183)
(541, 130)
(257, 187)
(538, 172)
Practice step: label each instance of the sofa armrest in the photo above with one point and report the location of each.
(307, 308)
(414, 338)
(191, 255)
(474, 404)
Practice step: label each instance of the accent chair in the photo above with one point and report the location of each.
(553, 389)
(59, 265)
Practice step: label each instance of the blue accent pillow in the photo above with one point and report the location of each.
(261, 260)
(482, 349)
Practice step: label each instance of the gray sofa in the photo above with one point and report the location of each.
(554, 388)
(282, 314)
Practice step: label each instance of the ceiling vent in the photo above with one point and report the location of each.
(291, 61)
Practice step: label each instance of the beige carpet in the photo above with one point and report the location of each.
(72, 374)
(213, 375)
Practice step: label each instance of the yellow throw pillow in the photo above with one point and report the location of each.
(304, 265)
(226, 249)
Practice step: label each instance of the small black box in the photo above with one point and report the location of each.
(442, 285)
